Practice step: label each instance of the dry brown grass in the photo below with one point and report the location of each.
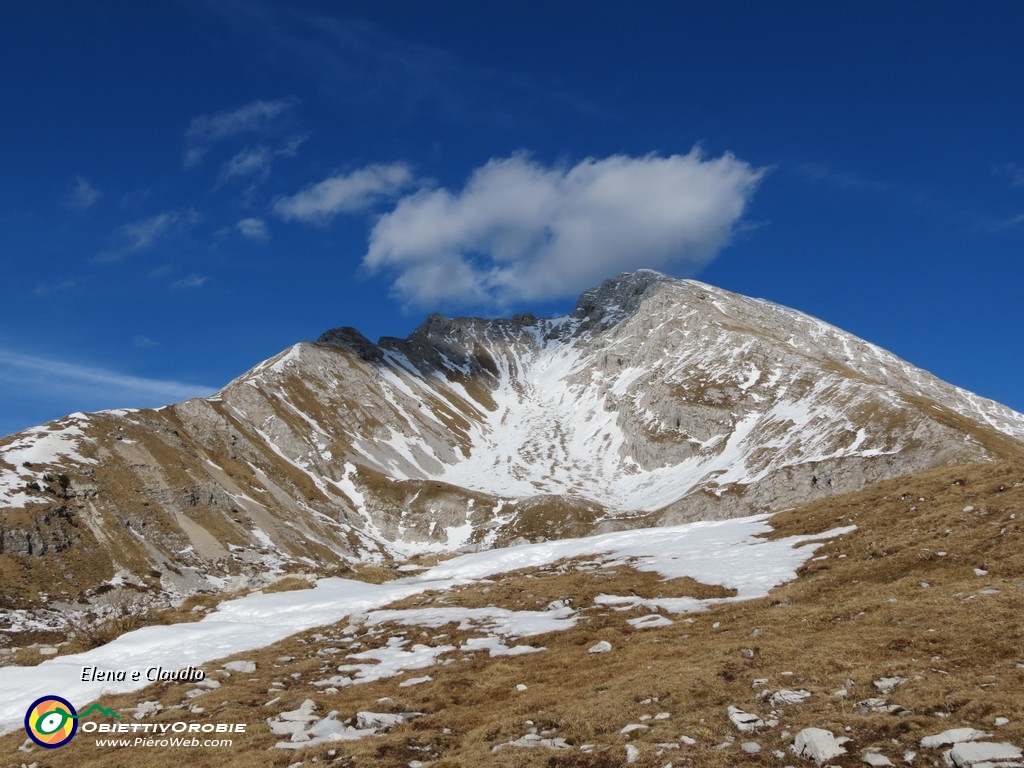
(860, 613)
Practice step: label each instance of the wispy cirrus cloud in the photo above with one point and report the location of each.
(345, 193)
(389, 76)
(59, 286)
(251, 162)
(93, 385)
(994, 225)
(842, 180)
(190, 281)
(143, 234)
(257, 118)
(519, 230)
(81, 195)
(1014, 172)
(254, 163)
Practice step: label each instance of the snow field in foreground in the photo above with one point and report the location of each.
(726, 553)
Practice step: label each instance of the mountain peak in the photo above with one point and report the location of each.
(656, 401)
(618, 297)
(350, 338)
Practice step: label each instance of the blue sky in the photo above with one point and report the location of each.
(187, 190)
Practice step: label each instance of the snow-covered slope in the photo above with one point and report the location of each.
(706, 552)
(657, 401)
(651, 391)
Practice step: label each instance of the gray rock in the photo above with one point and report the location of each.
(146, 708)
(953, 736)
(876, 759)
(818, 745)
(986, 754)
(532, 741)
(745, 722)
(783, 697)
(886, 684)
(866, 706)
(634, 727)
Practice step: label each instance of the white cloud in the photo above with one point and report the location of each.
(257, 117)
(90, 384)
(47, 289)
(144, 342)
(251, 161)
(192, 281)
(254, 229)
(81, 196)
(145, 233)
(521, 231)
(255, 162)
(345, 193)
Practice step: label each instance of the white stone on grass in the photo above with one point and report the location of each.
(875, 759)
(876, 705)
(886, 684)
(601, 647)
(744, 721)
(634, 727)
(818, 745)
(783, 697)
(953, 736)
(651, 621)
(242, 667)
(975, 754)
(532, 740)
(146, 708)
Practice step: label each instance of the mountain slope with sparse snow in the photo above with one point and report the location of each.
(656, 402)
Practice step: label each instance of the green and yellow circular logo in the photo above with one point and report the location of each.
(51, 722)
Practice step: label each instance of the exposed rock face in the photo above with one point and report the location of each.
(656, 401)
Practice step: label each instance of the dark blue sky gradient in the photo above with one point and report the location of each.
(890, 136)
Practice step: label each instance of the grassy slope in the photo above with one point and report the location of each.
(860, 614)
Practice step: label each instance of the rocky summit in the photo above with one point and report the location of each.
(655, 402)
